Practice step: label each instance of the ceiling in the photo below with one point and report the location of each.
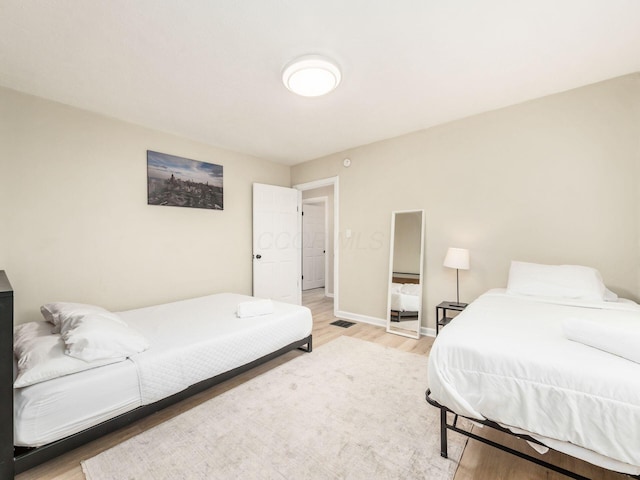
(210, 70)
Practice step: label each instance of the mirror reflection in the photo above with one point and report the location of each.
(405, 273)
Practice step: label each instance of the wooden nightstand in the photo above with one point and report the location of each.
(442, 318)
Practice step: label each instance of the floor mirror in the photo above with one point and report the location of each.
(404, 305)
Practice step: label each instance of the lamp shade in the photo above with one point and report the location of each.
(457, 258)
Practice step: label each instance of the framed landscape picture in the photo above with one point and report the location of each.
(181, 182)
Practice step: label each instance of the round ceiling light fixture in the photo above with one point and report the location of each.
(311, 76)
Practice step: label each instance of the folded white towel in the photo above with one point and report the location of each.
(619, 339)
(254, 308)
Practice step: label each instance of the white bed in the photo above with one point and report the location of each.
(405, 297)
(190, 341)
(506, 359)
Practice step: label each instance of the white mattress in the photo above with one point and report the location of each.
(57, 408)
(403, 302)
(405, 297)
(191, 340)
(506, 359)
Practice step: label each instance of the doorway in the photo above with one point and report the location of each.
(314, 243)
(316, 192)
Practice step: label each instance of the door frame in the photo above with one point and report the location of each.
(326, 182)
(319, 201)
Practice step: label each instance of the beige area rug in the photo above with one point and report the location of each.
(351, 409)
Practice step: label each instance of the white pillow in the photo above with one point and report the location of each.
(97, 337)
(57, 312)
(619, 338)
(396, 287)
(41, 357)
(558, 281)
(610, 296)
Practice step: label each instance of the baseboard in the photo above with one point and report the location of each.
(361, 318)
(330, 295)
(427, 331)
(379, 322)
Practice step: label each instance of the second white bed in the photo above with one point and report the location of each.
(506, 359)
(405, 297)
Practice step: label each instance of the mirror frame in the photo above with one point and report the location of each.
(406, 333)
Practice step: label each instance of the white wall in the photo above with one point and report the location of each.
(551, 180)
(554, 180)
(74, 219)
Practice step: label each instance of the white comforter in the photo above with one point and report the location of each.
(405, 297)
(506, 359)
(193, 340)
(402, 302)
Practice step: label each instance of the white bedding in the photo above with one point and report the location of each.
(191, 340)
(505, 358)
(47, 411)
(402, 302)
(405, 297)
(199, 338)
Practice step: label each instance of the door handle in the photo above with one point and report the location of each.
(258, 256)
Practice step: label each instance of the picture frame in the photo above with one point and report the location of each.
(182, 182)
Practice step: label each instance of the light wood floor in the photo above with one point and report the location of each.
(479, 462)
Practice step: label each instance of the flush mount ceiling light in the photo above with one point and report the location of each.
(311, 76)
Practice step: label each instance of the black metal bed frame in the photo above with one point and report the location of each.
(445, 425)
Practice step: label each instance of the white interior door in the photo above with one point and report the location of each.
(313, 245)
(276, 243)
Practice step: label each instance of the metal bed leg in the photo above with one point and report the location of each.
(444, 426)
(443, 433)
(307, 347)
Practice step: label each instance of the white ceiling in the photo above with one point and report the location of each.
(210, 70)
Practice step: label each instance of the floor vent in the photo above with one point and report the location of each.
(342, 323)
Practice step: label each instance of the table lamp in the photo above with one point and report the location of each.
(457, 258)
